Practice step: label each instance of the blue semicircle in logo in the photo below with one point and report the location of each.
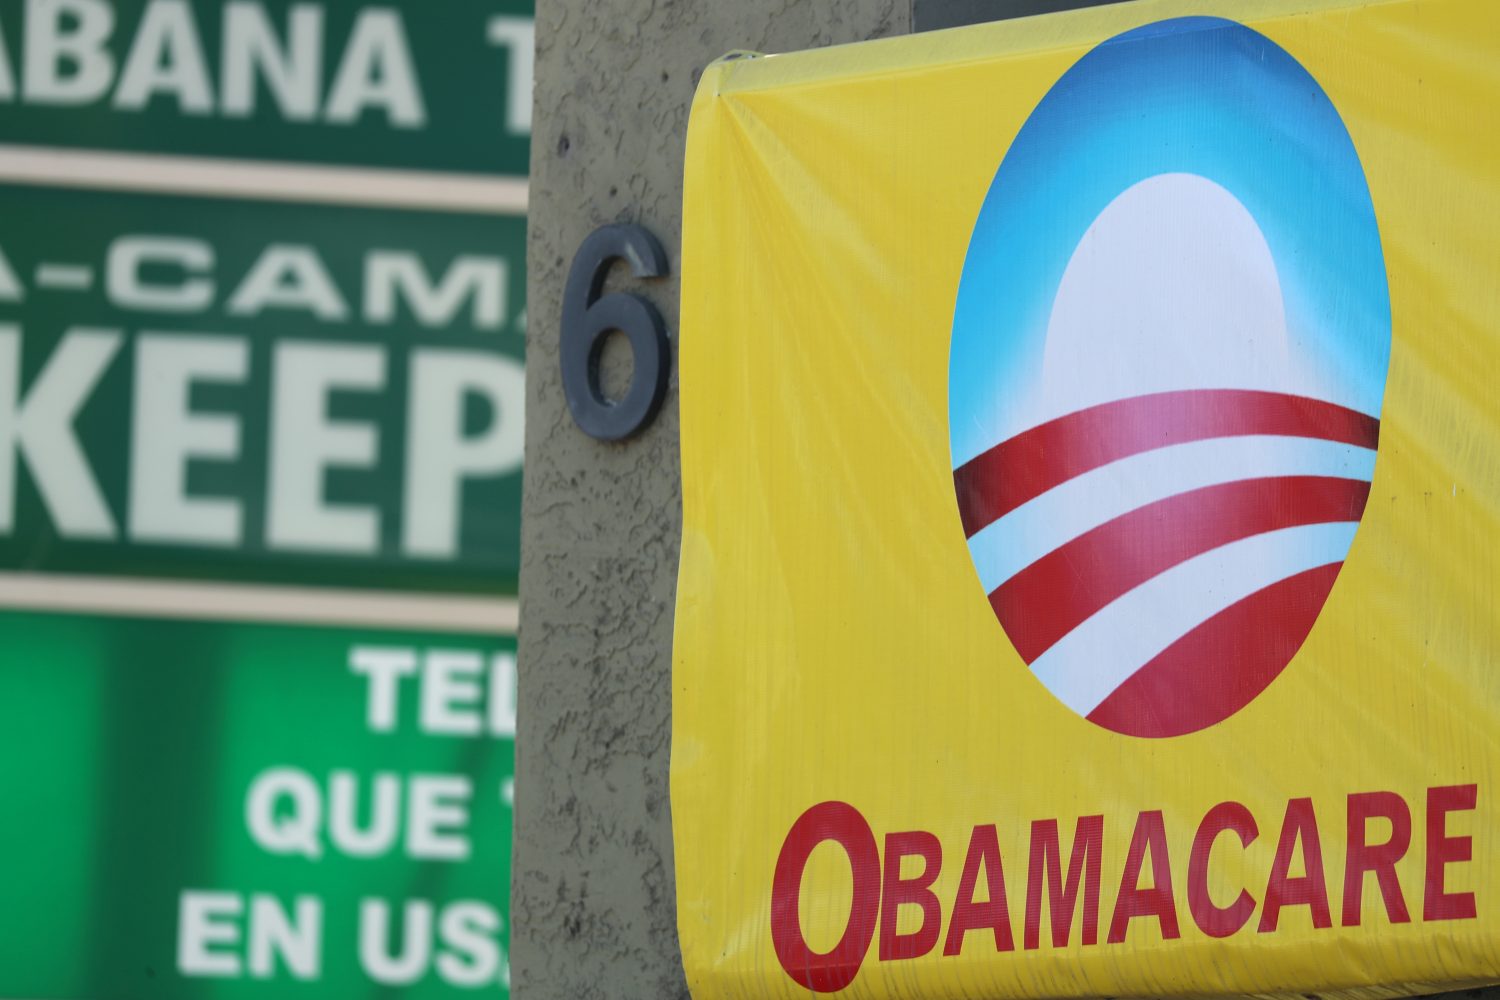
(1193, 95)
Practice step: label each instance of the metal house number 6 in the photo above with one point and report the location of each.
(588, 316)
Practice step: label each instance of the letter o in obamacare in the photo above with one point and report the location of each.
(825, 972)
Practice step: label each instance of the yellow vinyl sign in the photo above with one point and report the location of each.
(1090, 573)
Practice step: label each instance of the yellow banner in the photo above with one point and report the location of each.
(1090, 573)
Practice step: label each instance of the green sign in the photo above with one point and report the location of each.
(201, 810)
(417, 84)
(243, 392)
(256, 391)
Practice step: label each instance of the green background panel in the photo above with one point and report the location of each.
(74, 227)
(462, 78)
(130, 749)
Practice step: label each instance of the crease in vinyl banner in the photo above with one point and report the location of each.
(1088, 536)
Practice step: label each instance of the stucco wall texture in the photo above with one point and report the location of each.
(593, 902)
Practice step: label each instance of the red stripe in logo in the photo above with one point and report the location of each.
(1216, 669)
(1034, 461)
(1049, 598)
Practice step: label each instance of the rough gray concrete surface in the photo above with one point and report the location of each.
(592, 901)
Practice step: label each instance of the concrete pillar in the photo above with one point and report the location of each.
(593, 901)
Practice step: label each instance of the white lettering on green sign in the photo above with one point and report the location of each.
(37, 427)
(178, 276)
(426, 817)
(68, 59)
